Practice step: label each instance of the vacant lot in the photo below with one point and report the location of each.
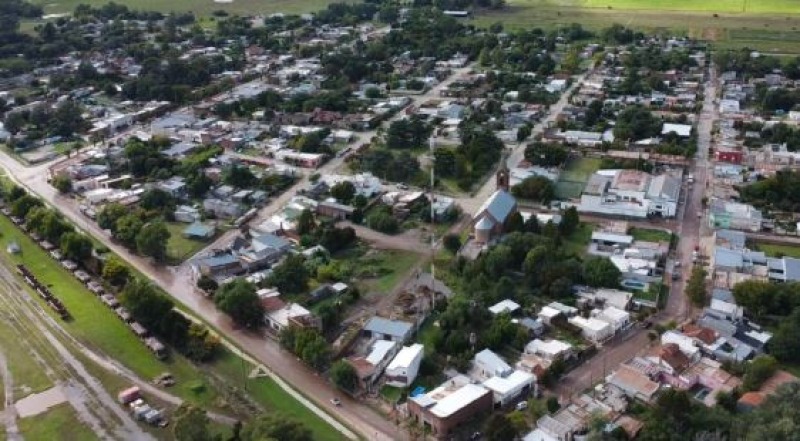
(180, 248)
(574, 177)
(775, 250)
(58, 423)
(767, 26)
(651, 235)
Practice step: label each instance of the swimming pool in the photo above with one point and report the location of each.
(634, 284)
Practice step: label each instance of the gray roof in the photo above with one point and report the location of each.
(221, 260)
(736, 239)
(724, 295)
(394, 328)
(664, 186)
(493, 363)
(499, 205)
(179, 149)
(270, 241)
(198, 230)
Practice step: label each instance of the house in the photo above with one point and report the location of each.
(187, 214)
(592, 329)
(549, 349)
(734, 216)
(548, 315)
(334, 210)
(200, 231)
(403, 369)
(504, 307)
(290, 314)
(219, 265)
(489, 364)
(262, 250)
(370, 368)
(606, 297)
(633, 383)
(682, 130)
(174, 186)
(722, 301)
(489, 222)
(385, 329)
(685, 343)
(617, 318)
(222, 208)
(443, 410)
(508, 388)
(535, 327)
(729, 156)
(785, 269)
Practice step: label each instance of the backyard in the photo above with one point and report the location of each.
(651, 235)
(778, 250)
(180, 248)
(572, 180)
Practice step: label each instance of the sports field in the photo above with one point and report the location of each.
(770, 26)
(198, 7)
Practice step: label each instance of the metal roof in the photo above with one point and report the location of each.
(395, 328)
(499, 205)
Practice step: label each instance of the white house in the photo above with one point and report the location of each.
(403, 369)
(630, 193)
(504, 306)
(548, 349)
(490, 364)
(592, 329)
(686, 344)
(280, 319)
(722, 301)
(505, 389)
(617, 318)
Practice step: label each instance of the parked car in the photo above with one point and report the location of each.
(336, 402)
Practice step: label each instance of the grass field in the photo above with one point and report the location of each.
(198, 7)
(650, 235)
(58, 423)
(180, 248)
(267, 393)
(96, 325)
(391, 265)
(574, 177)
(769, 26)
(578, 241)
(775, 250)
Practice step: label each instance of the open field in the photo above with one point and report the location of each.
(180, 248)
(573, 179)
(651, 235)
(776, 250)
(96, 325)
(27, 375)
(768, 26)
(274, 399)
(58, 423)
(198, 7)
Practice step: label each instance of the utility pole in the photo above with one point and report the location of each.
(432, 146)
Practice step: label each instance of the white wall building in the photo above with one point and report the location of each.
(592, 329)
(403, 369)
(505, 389)
(630, 193)
(617, 318)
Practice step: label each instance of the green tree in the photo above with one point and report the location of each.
(152, 240)
(305, 222)
(201, 344)
(22, 205)
(452, 243)
(635, 123)
(601, 272)
(239, 300)
(62, 183)
(499, 428)
(344, 376)
(191, 424)
(115, 272)
(546, 155)
(291, 276)
(145, 303)
(535, 188)
(784, 344)
(570, 221)
(274, 426)
(758, 371)
(207, 284)
(76, 246)
(696, 286)
(776, 419)
(239, 177)
(127, 228)
(108, 216)
(381, 220)
(343, 192)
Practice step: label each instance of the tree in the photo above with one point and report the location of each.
(191, 424)
(275, 426)
(115, 272)
(201, 345)
(145, 303)
(514, 223)
(546, 155)
(452, 243)
(601, 272)
(127, 228)
(207, 284)
(239, 177)
(158, 200)
(239, 300)
(776, 419)
(344, 376)
(76, 246)
(761, 369)
(499, 428)
(62, 183)
(343, 192)
(637, 122)
(784, 343)
(291, 276)
(305, 222)
(67, 119)
(696, 286)
(22, 205)
(381, 220)
(152, 240)
(107, 217)
(536, 188)
(570, 221)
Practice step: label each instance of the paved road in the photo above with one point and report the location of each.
(689, 229)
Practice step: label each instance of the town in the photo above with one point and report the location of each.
(323, 226)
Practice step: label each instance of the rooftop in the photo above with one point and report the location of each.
(499, 205)
(395, 328)
(631, 180)
(406, 356)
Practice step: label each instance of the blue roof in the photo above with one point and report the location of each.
(724, 257)
(736, 239)
(199, 230)
(724, 295)
(499, 205)
(221, 260)
(269, 241)
(395, 328)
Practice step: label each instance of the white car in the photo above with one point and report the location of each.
(336, 402)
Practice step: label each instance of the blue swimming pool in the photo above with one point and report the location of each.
(634, 284)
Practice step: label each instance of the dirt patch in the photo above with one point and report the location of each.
(712, 34)
(35, 404)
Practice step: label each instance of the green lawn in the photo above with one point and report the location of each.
(733, 6)
(775, 250)
(58, 423)
(94, 324)
(28, 376)
(651, 235)
(573, 179)
(392, 394)
(179, 248)
(390, 266)
(274, 399)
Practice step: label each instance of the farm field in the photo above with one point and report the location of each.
(198, 7)
(770, 26)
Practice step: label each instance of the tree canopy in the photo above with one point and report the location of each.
(239, 300)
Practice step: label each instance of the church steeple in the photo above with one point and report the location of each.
(503, 176)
